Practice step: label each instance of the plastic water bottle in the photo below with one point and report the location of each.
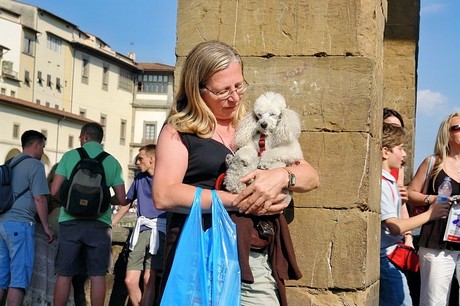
(444, 191)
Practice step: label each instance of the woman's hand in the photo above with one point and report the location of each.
(263, 192)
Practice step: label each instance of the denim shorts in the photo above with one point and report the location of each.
(17, 240)
(84, 247)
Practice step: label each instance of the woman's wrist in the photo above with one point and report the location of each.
(291, 179)
(428, 200)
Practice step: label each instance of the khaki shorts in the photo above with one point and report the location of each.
(140, 259)
(264, 290)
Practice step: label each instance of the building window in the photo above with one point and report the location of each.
(47, 104)
(39, 78)
(12, 93)
(38, 101)
(29, 43)
(16, 130)
(150, 130)
(153, 83)
(48, 80)
(3, 91)
(54, 43)
(125, 80)
(103, 120)
(27, 77)
(105, 77)
(123, 131)
(58, 84)
(85, 70)
(45, 132)
(70, 144)
(82, 112)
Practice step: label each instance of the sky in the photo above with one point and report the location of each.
(148, 29)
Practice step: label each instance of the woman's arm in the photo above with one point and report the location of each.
(267, 186)
(171, 162)
(416, 197)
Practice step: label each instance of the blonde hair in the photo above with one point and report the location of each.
(189, 113)
(441, 147)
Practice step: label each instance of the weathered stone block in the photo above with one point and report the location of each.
(327, 239)
(331, 93)
(311, 297)
(342, 167)
(258, 28)
(395, 48)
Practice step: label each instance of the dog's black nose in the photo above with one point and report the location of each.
(263, 125)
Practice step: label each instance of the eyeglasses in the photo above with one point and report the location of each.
(455, 128)
(226, 93)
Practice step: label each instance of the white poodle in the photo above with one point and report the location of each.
(269, 134)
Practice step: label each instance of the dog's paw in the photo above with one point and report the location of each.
(266, 164)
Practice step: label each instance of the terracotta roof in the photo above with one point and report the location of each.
(41, 109)
(155, 67)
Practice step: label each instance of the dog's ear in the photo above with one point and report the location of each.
(246, 129)
(288, 127)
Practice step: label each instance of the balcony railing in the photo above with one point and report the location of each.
(9, 73)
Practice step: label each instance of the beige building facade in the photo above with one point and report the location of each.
(53, 65)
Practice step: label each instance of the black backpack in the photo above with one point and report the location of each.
(7, 196)
(85, 194)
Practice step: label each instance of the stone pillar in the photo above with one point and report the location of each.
(326, 57)
(400, 66)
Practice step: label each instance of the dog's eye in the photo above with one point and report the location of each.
(258, 115)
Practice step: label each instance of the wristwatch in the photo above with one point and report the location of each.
(291, 182)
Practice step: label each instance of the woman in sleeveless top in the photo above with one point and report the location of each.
(191, 152)
(438, 259)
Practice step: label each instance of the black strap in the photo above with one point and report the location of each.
(16, 162)
(100, 157)
(83, 153)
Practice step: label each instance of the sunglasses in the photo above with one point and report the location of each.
(455, 128)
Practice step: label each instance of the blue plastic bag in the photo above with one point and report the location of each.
(205, 270)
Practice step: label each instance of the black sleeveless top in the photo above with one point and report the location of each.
(206, 161)
(432, 233)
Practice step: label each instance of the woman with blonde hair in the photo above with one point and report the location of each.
(439, 259)
(191, 152)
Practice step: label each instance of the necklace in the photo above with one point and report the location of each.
(224, 142)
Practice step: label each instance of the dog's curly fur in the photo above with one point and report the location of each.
(281, 127)
(239, 164)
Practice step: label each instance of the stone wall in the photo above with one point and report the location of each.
(327, 58)
(400, 66)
